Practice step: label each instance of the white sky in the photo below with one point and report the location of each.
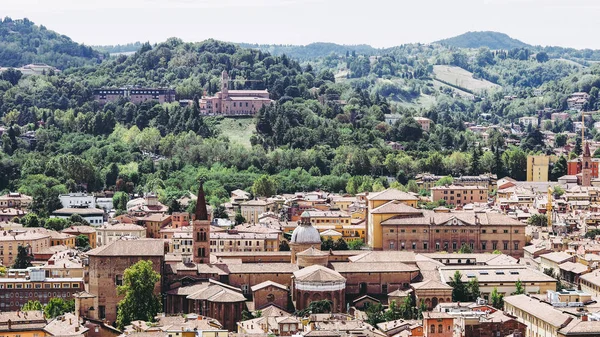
(380, 23)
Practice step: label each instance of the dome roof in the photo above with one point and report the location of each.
(305, 233)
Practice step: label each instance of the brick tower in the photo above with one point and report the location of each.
(586, 166)
(201, 229)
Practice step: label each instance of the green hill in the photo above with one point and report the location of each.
(22, 42)
(492, 40)
(313, 50)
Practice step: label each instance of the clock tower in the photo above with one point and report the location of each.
(201, 226)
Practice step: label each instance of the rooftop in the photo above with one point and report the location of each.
(137, 247)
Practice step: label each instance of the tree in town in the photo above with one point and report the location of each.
(326, 244)
(465, 249)
(355, 244)
(422, 308)
(219, 213)
(58, 306)
(497, 299)
(56, 224)
(559, 168)
(284, 246)
(473, 289)
(82, 241)
(539, 220)
(375, 314)
(239, 218)
(459, 290)
(140, 302)
(520, 289)
(264, 186)
(560, 140)
(340, 244)
(174, 206)
(447, 180)
(120, 200)
(23, 259)
(32, 306)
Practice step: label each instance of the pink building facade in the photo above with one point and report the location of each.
(234, 102)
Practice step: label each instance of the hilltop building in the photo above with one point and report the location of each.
(234, 102)
(135, 95)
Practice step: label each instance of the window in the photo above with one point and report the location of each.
(437, 246)
(440, 328)
(516, 231)
(432, 328)
(506, 231)
(414, 245)
(516, 244)
(483, 246)
(102, 311)
(483, 231)
(384, 288)
(391, 244)
(453, 245)
(119, 280)
(505, 245)
(425, 245)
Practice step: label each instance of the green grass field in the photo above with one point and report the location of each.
(462, 78)
(238, 130)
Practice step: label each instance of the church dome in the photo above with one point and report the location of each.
(305, 233)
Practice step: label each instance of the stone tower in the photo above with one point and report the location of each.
(201, 227)
(224, 85)
(586, 166)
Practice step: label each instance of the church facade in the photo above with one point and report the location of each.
(234, 102)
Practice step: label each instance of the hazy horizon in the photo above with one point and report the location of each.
(300, 22)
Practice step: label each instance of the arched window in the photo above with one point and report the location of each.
(432, 328)
(440, 328)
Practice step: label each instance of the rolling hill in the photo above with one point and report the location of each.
(313, 50)
(22, 42)
(492, 40)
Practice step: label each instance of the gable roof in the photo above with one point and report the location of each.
(318, 273)
(396, 207)
(392, 194)
(268, 284)
(137, 247)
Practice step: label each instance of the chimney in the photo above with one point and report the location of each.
(70, 322)
(9, 324)
(584, 318)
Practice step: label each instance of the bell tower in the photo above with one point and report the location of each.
(201, 229)
(224, 85)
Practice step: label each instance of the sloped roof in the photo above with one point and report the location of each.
(318, 273)
(392, 194)
(268, 284)
(430, 284)
(312, 252)
(395, 207)
(138, 247)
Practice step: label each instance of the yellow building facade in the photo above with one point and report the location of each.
(374, 200)
(538, 167)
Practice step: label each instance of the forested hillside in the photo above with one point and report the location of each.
(491, 40)
(326, 128)
(22, 42)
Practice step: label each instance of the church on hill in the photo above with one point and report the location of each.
(234, 102)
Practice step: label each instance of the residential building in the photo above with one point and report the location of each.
(527, 121)
(425, 123)
(153, 223)
(427, 181)
(578, 100)
(88, 231)
(108, 233)
(18, 323)
(554, 260)
(541, 319)
(235, 241)
(93, 216)
(374, 200)
(438, 324)
(8, 214)
(459, 195)
(34, 240)
(538, 167)
(33, 69)
(234, 102)
(22, 285)
(559, 116)
(590, 283)
(252, 209)
(77, 200)
(15, 200)
(391, 119)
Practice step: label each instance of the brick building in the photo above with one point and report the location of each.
(108, 263)
(20, 286)
(423, 231)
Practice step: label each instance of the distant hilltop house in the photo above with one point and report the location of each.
(577, 100)
(425, 123)
(234, 102)
(135, 95)
(531, 120)
(33, 69)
